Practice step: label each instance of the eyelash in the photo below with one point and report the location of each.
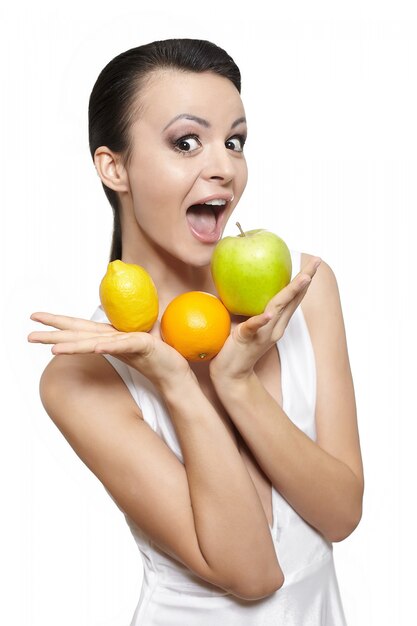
(176, 143)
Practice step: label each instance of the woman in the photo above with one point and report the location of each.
(234, 485)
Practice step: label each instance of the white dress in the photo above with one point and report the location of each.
(172, 595)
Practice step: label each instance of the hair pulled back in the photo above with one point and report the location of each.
(112, 107)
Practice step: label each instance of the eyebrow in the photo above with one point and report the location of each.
(200, 120)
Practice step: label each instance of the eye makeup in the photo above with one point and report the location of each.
(175, 141)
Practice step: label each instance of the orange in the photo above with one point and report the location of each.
(196, 324)
(129, 297)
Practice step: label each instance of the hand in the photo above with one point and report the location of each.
(146, 352)
(250, 339)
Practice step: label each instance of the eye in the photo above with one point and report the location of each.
(240, 142)
(188, 143)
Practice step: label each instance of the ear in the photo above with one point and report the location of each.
(110, 169)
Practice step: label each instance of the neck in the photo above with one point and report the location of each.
(171, 275)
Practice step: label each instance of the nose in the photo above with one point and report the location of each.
(219, 163)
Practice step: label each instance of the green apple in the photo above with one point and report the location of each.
(249, 269)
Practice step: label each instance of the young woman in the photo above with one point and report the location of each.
(235, 476)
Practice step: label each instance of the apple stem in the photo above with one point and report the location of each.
(240, 228)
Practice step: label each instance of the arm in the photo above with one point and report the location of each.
(323, 480)
(202, 513)
(230, 522)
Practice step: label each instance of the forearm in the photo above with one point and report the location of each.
(231, 526)
(323, 490)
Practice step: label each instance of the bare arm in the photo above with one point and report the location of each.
(323, 481)
(205, 513)
(321, 488)
(231, 526)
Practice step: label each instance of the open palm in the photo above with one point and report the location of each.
(144, 351)
(250, 339)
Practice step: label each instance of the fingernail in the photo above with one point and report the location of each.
(317, 264)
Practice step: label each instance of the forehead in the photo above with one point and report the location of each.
(169, 92)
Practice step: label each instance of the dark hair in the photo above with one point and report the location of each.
(112, 109)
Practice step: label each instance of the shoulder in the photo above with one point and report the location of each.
(323, 292)
(322, 309)
(75, 379)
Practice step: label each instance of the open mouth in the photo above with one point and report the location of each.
(206, 220)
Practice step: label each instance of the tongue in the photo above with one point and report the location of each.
(202, 218)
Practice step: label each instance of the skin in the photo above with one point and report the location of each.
(322, 480)
(165, 246)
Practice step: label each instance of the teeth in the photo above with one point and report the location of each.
(216, 202)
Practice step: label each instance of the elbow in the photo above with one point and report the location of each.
(347, 529)
(348, 519)
(273, 586)
(256, 590)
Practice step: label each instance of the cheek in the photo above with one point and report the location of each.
(243, 176)
(158, 188)
(176, 175)
(160, 175)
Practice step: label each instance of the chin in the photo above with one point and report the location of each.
(202, 261)
(198, 258)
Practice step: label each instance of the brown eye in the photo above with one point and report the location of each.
(237, 142)
(188, 143)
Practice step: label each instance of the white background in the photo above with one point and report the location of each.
(330, 94)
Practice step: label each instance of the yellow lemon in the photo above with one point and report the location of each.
(129, 297)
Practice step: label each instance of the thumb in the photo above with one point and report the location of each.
(247, 329)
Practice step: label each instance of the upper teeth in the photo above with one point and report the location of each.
(216, 201)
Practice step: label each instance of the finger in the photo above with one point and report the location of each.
(303, 278)
(288, 293)
(246, 330)
(287, 312)
(288, 301)
(131, 343)
(83, 346)
(312, 266)
(64, 336)
(65, 322)
(285, 302)
(297, 285)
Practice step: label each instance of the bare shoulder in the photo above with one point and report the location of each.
(91, 375)
(322, 287)
(322, 309)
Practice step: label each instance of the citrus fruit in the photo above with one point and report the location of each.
(129, 297)
(196, 324)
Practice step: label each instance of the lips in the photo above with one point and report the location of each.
(206, 221)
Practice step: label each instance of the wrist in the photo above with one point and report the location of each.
(178, 383)
(231, 383)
